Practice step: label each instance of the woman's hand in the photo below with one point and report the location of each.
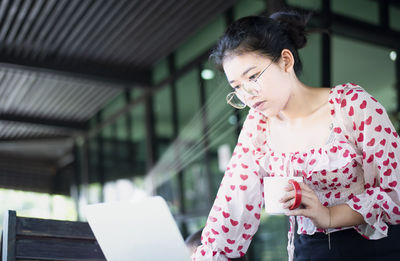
(310, 206)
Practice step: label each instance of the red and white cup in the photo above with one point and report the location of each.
(274, 190)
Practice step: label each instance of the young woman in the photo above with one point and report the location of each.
(339, 139)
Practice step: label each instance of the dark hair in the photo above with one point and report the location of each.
(194, 240)
(266, 35)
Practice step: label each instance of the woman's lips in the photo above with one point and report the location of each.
(258, 104)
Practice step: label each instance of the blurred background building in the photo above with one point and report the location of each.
(105, 100)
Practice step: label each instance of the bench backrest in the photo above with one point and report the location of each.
(45, 239)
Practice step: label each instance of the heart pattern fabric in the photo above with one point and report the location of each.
(358, 168)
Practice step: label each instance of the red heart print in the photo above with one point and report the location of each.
(328, 195)
(243, 187)
(343, 103)
(370, 192)
(378, 128)
(355, 96)
(388, 130)
(228, 198)
(379, 197)
(300, 161)
(355, 199)
(233, 187)
(369, 120)
(213, 219)
(383, 142)
(391, 154)
(211, 240)
(216, 208)
(244, 177)
(262, 122)
(385, 205)
(225, 229)
(371, 142)
(361, 128)
(363, 105)
(388, 172)
(396, 210)
(386, 162)
(230, 241)
(375, 206)
(360, 137)
(251, 117)
(244, 166)
(247, 226)
(228, 250)
(351, 111)
(380, 111)
(257, 215)
(369, 215)
(239, 248)
(203, 253)
(312, 162)
(370, 159)
(393, 184)
(379, 153)
(394, 165)
(357, 207)
(245, 150)
(246, 236)
(394, 144)
(337, 195)
(225, 214)
(337, 130)
(214, 232)
(249, 207)
(234, 222)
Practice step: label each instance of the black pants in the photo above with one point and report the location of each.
(348, 245)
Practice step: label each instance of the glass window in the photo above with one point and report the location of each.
(202, 41)
(309, 4)
(394, 14)
(245, 8)
(310, 57)
(163, 113)
(160, 71)
(367, 65)
(366, 10)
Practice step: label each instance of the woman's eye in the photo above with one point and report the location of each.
(253, 77)
(236, 87)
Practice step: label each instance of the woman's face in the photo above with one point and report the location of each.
(273, 83)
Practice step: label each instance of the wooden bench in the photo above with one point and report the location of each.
(44, 239)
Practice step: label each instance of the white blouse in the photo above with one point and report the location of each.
(357, 166)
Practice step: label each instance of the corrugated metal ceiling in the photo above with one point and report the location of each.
(61, 61)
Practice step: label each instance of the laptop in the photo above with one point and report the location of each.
(143, 230)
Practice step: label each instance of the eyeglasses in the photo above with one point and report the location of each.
(251, 87)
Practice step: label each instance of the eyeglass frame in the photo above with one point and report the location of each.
(228, 96)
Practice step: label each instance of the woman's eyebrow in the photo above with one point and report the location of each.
(245, 72)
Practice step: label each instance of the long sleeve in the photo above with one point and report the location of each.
(235, 215)
(370, 129)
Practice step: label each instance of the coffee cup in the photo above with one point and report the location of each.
(274, 190)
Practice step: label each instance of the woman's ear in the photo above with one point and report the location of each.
(287, 60)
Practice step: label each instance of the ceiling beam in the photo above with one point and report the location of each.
(118, 76)
(47, 122)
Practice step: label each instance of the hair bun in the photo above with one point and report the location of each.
(295, 25)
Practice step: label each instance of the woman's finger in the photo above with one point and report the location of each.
(287, 196)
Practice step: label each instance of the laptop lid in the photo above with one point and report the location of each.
(144, 231)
